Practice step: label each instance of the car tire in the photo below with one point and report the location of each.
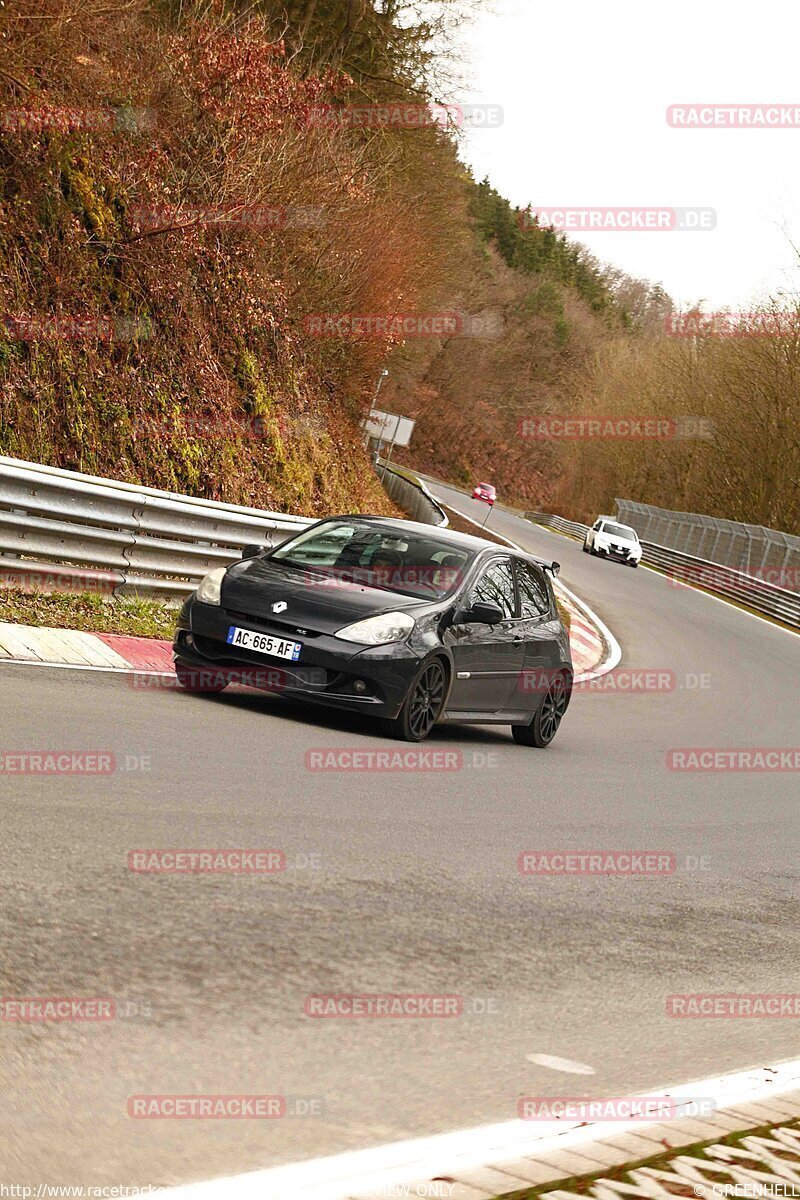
(422, 706)
(585, 548)
(199, 682)
(634, 564)
(547, 718)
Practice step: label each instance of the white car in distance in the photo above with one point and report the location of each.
(609, 539)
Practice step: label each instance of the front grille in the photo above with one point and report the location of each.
(270, 625)
(300, 675)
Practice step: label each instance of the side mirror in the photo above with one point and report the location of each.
(482, 613)
(252, 551)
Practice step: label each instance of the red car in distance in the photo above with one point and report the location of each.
(485, 492)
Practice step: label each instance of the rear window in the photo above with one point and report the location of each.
(534, 597)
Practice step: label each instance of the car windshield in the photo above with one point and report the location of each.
(621, 531)
(378, 556)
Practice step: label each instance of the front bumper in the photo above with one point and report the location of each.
(328, 671)
(620, 553)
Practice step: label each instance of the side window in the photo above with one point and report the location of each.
(596, 526)
(533, 595)
(496, 586)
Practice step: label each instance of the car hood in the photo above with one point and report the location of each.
(312, 601)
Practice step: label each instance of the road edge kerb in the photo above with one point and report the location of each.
(518, 1158)
(611, 1173)
(609, 650)
(47, 646)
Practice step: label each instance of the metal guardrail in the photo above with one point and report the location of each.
(744, 587)
(560, 524)
(119, 537)
(753, 549)
(104, 535)
(411, 495)
(63, 530)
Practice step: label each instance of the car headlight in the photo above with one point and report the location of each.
(378, 631)
(210, 586)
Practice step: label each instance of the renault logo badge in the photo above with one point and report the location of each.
(281, 606)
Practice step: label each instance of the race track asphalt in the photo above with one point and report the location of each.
(404, 882)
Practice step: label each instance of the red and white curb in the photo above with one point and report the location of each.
(498, 1160)
(594, 649)
(111, 651)
(90, 651)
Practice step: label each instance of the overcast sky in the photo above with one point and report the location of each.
(585, 86)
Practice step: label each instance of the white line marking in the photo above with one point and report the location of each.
(358, 1171)
(554, 1063)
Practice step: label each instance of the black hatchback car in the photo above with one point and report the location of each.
(406, 622)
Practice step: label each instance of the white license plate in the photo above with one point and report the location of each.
(263, 643)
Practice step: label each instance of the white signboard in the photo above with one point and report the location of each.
(389, 428)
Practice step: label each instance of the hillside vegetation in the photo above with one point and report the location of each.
(191, 196)
(172, 212)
